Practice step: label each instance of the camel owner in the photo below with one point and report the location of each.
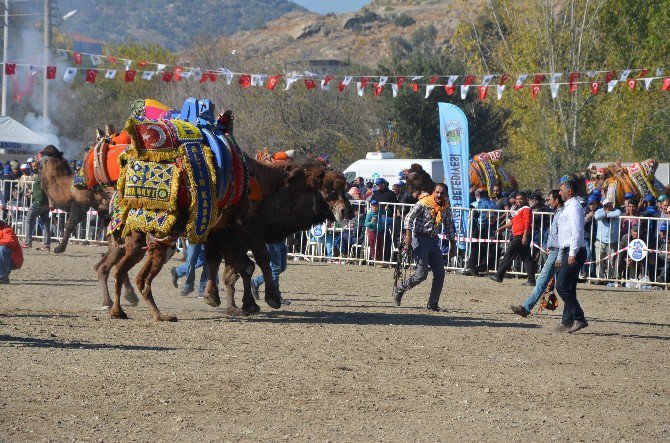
(39, 208)
(422, 225)
(11, 255)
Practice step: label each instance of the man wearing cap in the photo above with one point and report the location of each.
(383, 194)
(607, 238)
(650, 209)
(424, 222)
(663, 204)
(39, 208)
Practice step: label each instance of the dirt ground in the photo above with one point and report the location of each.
(339, 364)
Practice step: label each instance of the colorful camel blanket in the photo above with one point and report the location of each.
(149, 185)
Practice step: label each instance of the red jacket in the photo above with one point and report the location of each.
(522, 221)
(8, 238)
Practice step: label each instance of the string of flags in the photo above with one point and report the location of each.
(596, 80)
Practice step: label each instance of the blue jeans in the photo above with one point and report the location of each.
(278, 263)
(195, 258)
(326, 239)
(5, 261)
(547, 272)
(427, 253)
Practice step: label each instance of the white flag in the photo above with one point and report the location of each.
(647, 82)
(360, 89)
(254, 79)
(324, 86)
(228, 74)
(394, 88)
(347, 80)
(521, 79)
(624, 75)
(555, 76)
(128, 64)
(197, 74)
(68, 77)
(148, 75)
(611, 85)
(186, 74)
(499, 90)
(591, 74)
(486, 80)
(554, 89)
(417, 77)
(659, 72)
(110, 74)
(429, 90)
(383, 80)
(261, 79)
(160, 67)
(290, 80)
(32, 70)
(62, 53)
(464, 91)
(451, 80)
(95, 60)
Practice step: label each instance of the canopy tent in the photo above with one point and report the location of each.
(16, 140)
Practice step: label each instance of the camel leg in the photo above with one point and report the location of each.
(157, 256)
(103, 268)
(230, 276)
(249, 304)
(213, 259)
(272, 295)
(77, 214)
(133, 254)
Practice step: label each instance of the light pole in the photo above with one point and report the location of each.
(5, 48)
(47, 46)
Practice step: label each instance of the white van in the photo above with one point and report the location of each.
(385, 165)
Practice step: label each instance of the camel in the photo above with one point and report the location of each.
(57, 181)
(312, 195)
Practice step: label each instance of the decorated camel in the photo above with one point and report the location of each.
(487, 171)
(186, 177)
(617, 180)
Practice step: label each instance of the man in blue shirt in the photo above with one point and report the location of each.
(607, 237)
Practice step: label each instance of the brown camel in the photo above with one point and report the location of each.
(57, 181)
(312, 195)
(419, 180)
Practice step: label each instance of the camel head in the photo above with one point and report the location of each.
(329, 184)
(419, 180)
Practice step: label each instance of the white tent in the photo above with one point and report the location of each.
(13, 133)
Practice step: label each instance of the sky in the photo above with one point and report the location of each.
(323, 7)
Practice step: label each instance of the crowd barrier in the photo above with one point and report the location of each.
(639, 259)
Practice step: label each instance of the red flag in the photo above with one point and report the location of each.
(142, 64)
(534, 90)
(595, 86)
(469, 79)
(10, 69)
(517, 87)
(364, 82)
(482, 92)
(449, 89)
(176, 73)
(574, 76)
(245, 80)
(503, 79)
(51, 72)
(644, 72)
(327, 80)
(77, 58)
(378, 89)
(208, 76)
(310, 83)
(666, 83)
(573, 88)
(415, 87)
(167, 77)
(272, 81)
(539, 78)
(91, 74)
(609, 76)
(130, 76)
(111, 59)
(631, 84)
(341, 86)
(433, 80)
(400, 81)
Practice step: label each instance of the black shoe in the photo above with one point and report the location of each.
(468, 272)
(175, 277)
(495, 278)
(577, 325)
(520, 310)
(397, 295)
(435, 308)
(561, 328)
(529, 283)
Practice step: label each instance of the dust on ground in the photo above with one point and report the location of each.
(341, 363)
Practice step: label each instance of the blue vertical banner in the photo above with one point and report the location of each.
(456, 157)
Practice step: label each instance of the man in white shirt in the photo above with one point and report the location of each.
(571, 257)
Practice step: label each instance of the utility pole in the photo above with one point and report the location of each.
(47, 47)
(5, 49)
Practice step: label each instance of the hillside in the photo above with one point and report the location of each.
(360, 38)
(171, 23)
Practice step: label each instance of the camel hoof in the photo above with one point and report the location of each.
(131, 298)
(234, 311)
(118, 314)
(164, 317)
(59, 249)
(272, 302)
(213, 300)
(251, 309)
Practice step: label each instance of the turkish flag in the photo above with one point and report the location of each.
(91, 74)
(130, 76)
(503, 79)
(310, 83)
(378, 89)
(142, 64)
(449, 89)
(245, 80)
(595, 86)
(77, 58)
(327, 80)
(539, 78)
(111, 59)
(10, 69)
(666, 83)
(272, 81)
(644, 72)
(469, 79)
(400, 81)
(415, 87)
(51, 72)
(534, 90)
(482, 92)
(433, 80)
(631, 84)
(176, 73)
(364, 82)
(609, 76)
(517, 87)
(208, 76)
(167, 77)
(573, 88)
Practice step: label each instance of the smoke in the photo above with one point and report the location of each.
(72, 150)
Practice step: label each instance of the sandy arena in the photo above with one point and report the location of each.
(340, 364)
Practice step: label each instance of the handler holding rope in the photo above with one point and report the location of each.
(422, 226)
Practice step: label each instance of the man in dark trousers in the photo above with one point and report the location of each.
(519, 246)
(423, 224)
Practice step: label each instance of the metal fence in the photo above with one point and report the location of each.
(635, 252)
